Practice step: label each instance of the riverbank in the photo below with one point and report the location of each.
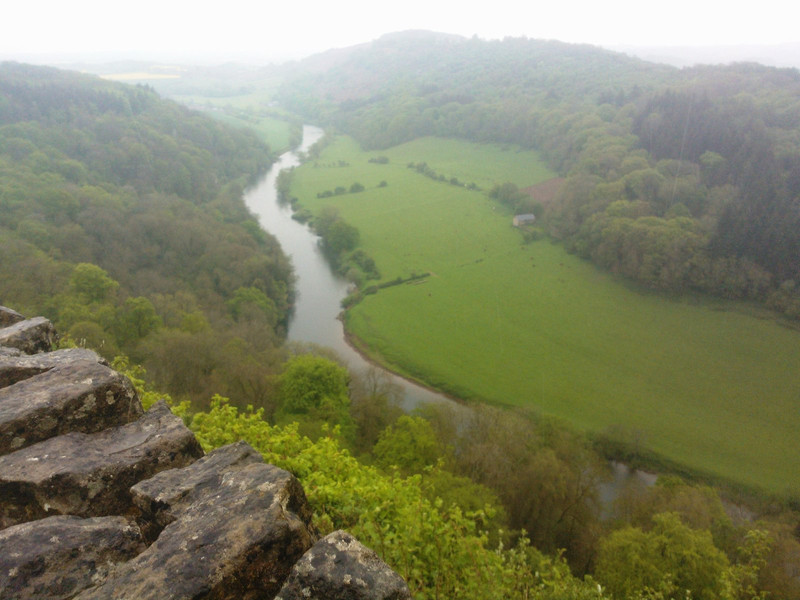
(373, 359)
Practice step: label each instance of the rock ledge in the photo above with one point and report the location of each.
(99, 500)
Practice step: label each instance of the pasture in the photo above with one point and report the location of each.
(700, 381)
(275, 132)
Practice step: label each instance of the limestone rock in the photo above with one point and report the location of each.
(235, 536)
(164, 496)
(91, 474)
(6, 352)
(77, 396)
(339, 567)
(59, 556)
(30, 336)
(9, 317)
(16, 368)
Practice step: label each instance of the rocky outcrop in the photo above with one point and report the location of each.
(83, 395)
(139, 511)
(29, 336)
(19, 366)
(342, 568)
(90, 475)
(9, 316)
(59, 556)
(236, 534)
(163, 497)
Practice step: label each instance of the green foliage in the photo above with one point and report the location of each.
(439, 550)
(314, 389)
(91, 283)
(409, 443)
(375, 403)
(247, 300)
(507, 193)
(310, 383)
(147, 394)
(135, 320)
(340, 237)
(669, 559)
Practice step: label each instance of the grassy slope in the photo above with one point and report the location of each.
(531, 325)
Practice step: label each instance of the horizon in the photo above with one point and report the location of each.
(785, 55)
(182, 32)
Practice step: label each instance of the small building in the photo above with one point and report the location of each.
(523, 219)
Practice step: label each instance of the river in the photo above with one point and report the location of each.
(319, 290)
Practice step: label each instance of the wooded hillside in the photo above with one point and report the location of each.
(122, 219)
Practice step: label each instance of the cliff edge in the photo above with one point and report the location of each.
(101, 500)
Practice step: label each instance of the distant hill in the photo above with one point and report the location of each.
(776, 55)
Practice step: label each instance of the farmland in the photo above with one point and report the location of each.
(706, 383)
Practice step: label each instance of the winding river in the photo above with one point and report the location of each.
(319, 290)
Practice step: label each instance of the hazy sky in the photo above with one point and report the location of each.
(267, 30)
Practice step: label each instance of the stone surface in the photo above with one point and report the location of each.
(59, 556)
(30, 336)
(91, 474)
(339, 567)
(77, 396)
(9, 316)
(234, 536)
(16, 368)
(6, 352)
(164, 496)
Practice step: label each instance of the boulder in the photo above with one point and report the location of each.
(91, 474)
(77, 396)
(339, 567)
(163, 497)
(59, 556)
(9, 317)
(235, 536)
(30, 336)
(15, 368)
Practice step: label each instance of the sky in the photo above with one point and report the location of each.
(261, 32)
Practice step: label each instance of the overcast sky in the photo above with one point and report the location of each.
(49, 30)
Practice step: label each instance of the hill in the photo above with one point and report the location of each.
(122, 220)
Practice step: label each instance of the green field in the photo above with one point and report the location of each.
(705, 383)
(275, 132)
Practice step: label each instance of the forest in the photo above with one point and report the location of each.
(122, 220)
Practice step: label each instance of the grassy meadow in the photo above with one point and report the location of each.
(275, 132)
(703, 382)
